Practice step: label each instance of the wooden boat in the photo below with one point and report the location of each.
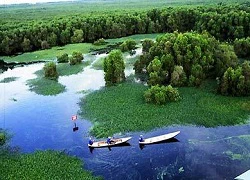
(100, 144)
(159, 138)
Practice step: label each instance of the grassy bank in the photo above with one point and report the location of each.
(49, 54)
(122, 109)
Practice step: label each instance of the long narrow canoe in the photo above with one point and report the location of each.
(159, 138)
(100, 144)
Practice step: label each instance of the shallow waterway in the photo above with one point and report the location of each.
(44, 122)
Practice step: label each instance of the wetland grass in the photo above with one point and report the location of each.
(43, 165)
(44, 86)
(9, 79)
(122, 109)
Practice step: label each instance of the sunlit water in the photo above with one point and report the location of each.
(44, 122)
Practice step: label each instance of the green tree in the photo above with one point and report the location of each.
(45, 45)
(114, 67)
(50, 71)
(78, 36)
(225, 57)
(147, 44)
(26, 46)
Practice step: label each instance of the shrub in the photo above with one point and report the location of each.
(161, 94)
(64, 58)
(128, 45)
(178, 76)
(50, 71)
(100, 42)
(76, 58)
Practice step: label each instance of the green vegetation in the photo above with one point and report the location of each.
(63, 58)
(128, 45)
(242, 47)
(8, 79)
(76, 58)
(236, 82)
(50, 71)
(98, 64)
(122, 109)
(44, 86)
(65, 69)
(100, 42)
(239, 147)
(3, 138)
(43, 165)
(161, 95)
(50, 54)
(40, 165)
(18, 37)
(114, 67)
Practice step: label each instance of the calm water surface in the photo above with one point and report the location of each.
(44, 122)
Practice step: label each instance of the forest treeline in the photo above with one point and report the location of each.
(225, 23)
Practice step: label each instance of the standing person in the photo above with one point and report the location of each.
(91, 141)
(141, 138)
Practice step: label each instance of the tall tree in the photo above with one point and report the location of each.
(114, 67)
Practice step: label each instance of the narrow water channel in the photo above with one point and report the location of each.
(44, 122)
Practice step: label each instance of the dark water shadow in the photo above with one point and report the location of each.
(172, 140)
(91, 149)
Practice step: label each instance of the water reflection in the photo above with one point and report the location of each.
(40, 122)
(172, 140)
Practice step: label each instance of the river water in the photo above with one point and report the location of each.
(44, 122)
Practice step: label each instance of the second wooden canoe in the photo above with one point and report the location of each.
(159, 138)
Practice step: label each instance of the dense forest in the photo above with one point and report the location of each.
(224, 22)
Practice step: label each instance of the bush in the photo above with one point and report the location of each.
(100, 42)
(178, 76)
(64, 58)
(76, 58)
(50, 71)
(147, 44)
(128, 45)
(161, 94)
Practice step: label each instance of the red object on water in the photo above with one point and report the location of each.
(74, 117)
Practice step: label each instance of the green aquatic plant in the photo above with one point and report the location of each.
(8, 79)
(43, 165)
(45, 86)
(122, 109)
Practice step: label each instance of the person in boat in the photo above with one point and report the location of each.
(90, 141)
(141, 139)
(109, 140)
